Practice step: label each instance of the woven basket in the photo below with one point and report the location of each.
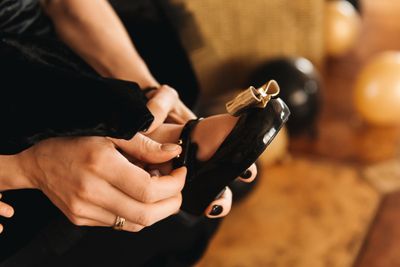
(238, 35)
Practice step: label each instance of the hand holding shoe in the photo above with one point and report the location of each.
(93, 183)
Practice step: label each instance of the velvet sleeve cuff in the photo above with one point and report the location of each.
(43, 96)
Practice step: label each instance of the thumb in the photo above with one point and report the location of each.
(147, 150)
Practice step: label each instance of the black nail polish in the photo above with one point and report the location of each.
(216, 210)
(246, 174)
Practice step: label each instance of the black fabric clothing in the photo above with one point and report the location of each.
(48, 94)
(47, 91)
(167, 243)
(48, 79)
(23, 16)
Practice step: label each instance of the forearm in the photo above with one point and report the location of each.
(94, 31)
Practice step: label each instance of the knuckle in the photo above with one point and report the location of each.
(93, 163)
(147, 149)
(84, 190)
(76, 208)
(77, 221)
(148, 194)
(145, 219)
(181, 184)
(135, 228)
(144, 144)
(97, 159)
(177, 203)
(171, 91)
(161, 107)
(179, 200)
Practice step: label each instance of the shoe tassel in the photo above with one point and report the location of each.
(253, 97)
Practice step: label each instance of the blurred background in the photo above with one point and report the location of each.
(328, 189)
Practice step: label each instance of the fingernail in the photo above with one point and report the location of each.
(246, 174)
(155, 173)
(8, 212)
(216, 210)
(169, 147)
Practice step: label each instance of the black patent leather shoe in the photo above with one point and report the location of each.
(261, 118)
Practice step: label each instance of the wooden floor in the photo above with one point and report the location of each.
(336, 202)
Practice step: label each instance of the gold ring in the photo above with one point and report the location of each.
(119, 223)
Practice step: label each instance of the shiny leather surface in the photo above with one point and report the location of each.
(300, 88)
(252, 134)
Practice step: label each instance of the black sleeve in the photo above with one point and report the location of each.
(47, 94)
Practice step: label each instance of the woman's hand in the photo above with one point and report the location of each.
(166, 106)
(5, 211)
(93, 183)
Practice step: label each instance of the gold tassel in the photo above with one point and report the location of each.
(253, 97)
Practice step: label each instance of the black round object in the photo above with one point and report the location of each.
(300, 89)
(355, 3)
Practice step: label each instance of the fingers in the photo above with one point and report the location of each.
(100, 207)
(136, 196)
(161, 104)
(145, 149)
(92, 182)
(221, 206)
(138, 212)
(181, 114)
(92, 215)
(165, 102)
(5, 209)
(138, 184)
(249, 175)
(128, 226)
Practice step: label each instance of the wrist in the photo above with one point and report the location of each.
(28, 165)
(13, 174)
